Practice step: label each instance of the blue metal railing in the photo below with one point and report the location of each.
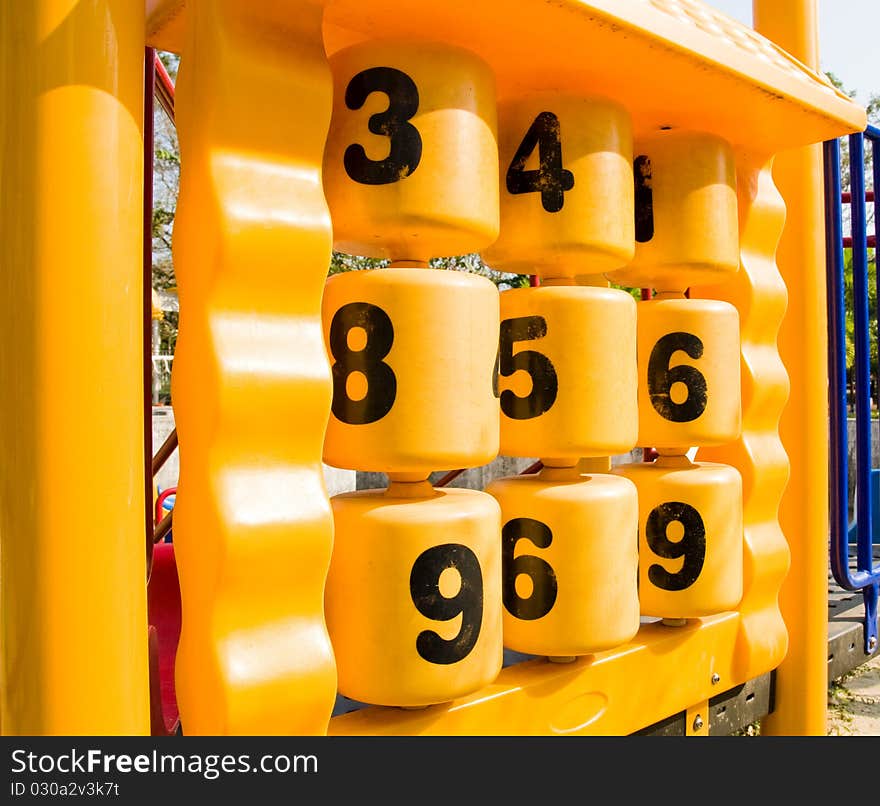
(865, 576)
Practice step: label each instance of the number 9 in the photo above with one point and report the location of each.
(692, 545)
(424, 586)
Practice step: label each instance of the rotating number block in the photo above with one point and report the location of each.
(686, 212)
(572, 213)
(570, 561)
(411, 161)
(690, 536)
(412, 353)
(689, 373)
(567, 372)
(413, 598)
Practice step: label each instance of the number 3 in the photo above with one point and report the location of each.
(406, 142)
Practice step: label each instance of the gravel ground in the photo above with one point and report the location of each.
(854, 702)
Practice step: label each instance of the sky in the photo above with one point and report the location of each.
(849, 39)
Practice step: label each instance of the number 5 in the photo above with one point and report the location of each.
(541, 370)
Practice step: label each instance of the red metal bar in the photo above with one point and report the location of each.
(164, 87)
(872, 242)
(162, 455)
(161, 500)
(451, 476)
(846, 196)
(163, 528)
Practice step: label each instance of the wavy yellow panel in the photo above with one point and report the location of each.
(759, 293)
(251, 384)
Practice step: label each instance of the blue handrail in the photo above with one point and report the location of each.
(865, 576)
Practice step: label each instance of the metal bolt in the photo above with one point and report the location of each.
(698, 722)
(716, 678)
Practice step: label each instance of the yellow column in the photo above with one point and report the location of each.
(802, 678)
(73, 625)
(251, 382)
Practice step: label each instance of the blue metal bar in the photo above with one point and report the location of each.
(864, 577)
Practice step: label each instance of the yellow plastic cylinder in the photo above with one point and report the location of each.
(686, 226)
(413, 599)
(567, 372)
(570, 561)
(411, 160)
(412, 353)
(566, 186)
(689, 373)
(690, 536)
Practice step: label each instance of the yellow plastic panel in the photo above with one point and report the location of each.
(567, 372)
(690, 536)
(570, 551)
(414, 593)
(685, 212)
(662, 671)
(689, 381)
(412, 354)
(73, 622)
(670, 62)
(759, 294)
(251, 382)
(566, 186)
(411, 164)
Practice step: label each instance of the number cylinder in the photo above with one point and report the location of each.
(567, 372)
(412, 353)
(689, 373)
(685, 212)
(690, 536)
(411, 159)
(413, 598)
(566, 186)
(570, 561)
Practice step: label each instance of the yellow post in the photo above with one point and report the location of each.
(73, 625)
(802, 678)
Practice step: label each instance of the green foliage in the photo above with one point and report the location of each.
(472, 263)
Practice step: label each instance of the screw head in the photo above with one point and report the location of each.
(716, 678)
(698, 722)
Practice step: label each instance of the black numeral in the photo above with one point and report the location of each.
(381, 382)
(661, 377)
(644, 199)
(692, 545)
(551, 180)
(544, 587)
(541, 370)
(424, 587)
(406, 142)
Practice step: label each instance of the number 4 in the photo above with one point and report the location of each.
(551, 180)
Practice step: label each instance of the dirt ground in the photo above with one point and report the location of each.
(854, 702)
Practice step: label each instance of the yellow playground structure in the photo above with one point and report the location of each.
(654, 166)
